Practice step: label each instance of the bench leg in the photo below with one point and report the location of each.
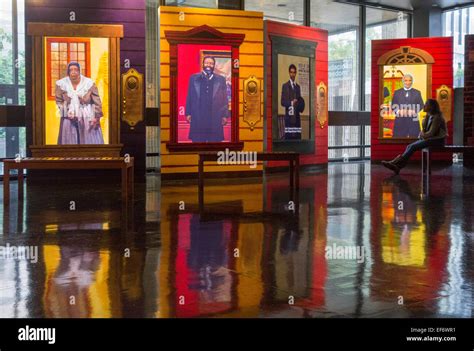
(131, 182)
(6, 185)
(124, 184)
(292, 174)
(425, 175)
(201, 181)
(20, 184)
(297, 173)
(429, 162)
(423, 161)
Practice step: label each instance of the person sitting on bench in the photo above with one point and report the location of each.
(434, 133)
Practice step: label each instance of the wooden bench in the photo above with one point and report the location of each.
(468, 155)
(468, 158)
(293, 159)
(67, 163)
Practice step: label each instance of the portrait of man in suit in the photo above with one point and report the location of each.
(407, 103)
(294, 105)
(207, 107)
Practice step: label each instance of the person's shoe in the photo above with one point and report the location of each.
(396, 159)
(400, 163)
(391, 166)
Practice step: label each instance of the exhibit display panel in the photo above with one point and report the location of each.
(405, 73)
(211, 86)
(296, 74)
(193, 126)
(76, 91)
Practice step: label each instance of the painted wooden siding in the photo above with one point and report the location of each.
(319, 36)
(251, 63)
(442, 73)
(129, 13)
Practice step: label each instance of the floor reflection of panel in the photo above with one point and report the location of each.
(411, 246)
(203, 279)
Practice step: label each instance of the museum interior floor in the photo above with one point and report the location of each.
(357, 243)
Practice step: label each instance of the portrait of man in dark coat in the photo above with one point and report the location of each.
(207, 108)
(407, 103)
(294, 105)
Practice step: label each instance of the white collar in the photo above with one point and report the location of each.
(81, 89)
(407, 89)
(205, 75)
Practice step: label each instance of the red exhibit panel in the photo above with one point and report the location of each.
(405, 73)
(311, 139)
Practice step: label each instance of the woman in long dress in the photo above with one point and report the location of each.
(80, 108)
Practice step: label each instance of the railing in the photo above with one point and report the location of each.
(349, 136)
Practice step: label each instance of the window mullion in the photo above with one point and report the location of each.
(15, 50)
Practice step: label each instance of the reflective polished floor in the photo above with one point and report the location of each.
(251, 250)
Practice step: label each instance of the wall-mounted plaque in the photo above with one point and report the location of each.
(252, 101)
(322, 104)
(132, 97)
(444, 97)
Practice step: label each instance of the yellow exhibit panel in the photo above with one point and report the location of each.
(249, 63)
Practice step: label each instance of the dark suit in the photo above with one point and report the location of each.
(407, 126)
(292, 122)
(207, 104)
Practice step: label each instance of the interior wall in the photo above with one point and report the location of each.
(320, 155)
(441, 48)
(251, 63)
(129, 13)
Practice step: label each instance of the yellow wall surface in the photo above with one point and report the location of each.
(99, 60)
(251, 63)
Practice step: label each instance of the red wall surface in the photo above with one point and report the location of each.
(319, 36)
(442, 73)
(189, 63)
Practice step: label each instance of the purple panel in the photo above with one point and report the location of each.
(88, 15)
(133, 44)
(129, 13)
(105, 4)
(136, 58)
(134, 30)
